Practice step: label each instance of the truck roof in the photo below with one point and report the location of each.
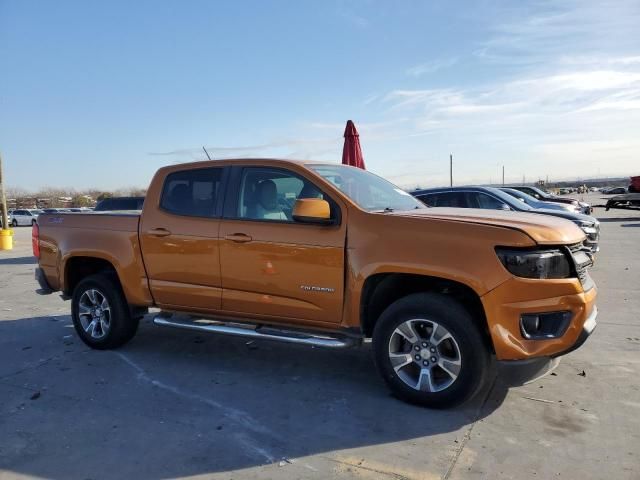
(244, 161)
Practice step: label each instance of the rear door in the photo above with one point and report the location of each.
(271, 265)
(179, 237)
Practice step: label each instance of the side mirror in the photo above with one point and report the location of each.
(505, 207)
(312, 210)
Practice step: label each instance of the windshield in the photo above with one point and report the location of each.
(367, 190)
(525, 197)
(509, 200)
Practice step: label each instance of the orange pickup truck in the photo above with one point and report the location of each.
(331, 256)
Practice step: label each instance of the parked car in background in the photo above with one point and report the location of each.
(120, 203)
(535, 203)
(615, 191)
(495, 199)
(535, 192)
(55, 210)
(23, 217)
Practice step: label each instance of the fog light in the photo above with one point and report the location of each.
(545, 325)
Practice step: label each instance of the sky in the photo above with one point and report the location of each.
(101, 94)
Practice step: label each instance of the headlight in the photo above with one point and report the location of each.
(552, 263)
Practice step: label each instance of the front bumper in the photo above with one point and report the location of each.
(588, 327)
(520, 372)
(505, 304)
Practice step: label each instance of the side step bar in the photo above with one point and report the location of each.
(267, 333)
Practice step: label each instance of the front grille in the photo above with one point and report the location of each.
(582, 260)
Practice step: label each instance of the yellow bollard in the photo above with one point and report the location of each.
(6, 239)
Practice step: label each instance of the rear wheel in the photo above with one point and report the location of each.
(101, 315)
(429, 351)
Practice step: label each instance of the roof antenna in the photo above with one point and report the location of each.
(205, 151)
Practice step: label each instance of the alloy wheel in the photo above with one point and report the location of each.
(425, 355)
(94, 313)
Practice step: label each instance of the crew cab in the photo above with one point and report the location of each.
(332, 256)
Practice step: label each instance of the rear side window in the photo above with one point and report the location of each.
(192, 193)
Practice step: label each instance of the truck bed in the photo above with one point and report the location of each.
(110, 236)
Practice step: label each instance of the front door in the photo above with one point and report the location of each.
(179, 238)
(271, 265)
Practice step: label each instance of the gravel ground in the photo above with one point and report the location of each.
(177, 404)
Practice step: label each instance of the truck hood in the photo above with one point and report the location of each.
(543, 229)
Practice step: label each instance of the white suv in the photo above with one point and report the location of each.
(24, 217)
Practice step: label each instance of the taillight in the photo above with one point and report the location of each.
(35, 240)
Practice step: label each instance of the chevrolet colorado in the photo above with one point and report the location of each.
(332, 256)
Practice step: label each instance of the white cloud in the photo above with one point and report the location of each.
(431, 67)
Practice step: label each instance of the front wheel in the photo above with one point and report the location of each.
(14, 223)
(429, 351)
(100, 313)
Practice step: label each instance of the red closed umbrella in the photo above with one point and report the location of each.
(351, 153)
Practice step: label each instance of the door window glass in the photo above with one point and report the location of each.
(270, 194)
(451, 199)
(192, 193)
(487, 202)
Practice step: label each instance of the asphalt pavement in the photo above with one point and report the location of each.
(173, 403)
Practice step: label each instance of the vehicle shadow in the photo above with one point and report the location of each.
(627, 225)
(173, 403)
(18, 261)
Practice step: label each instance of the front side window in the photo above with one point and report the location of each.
(487, 202)
(192, 193)
(430, 199)
(270, 194)
(367, 190)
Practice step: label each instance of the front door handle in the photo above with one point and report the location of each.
(159, 232)
(239, 238)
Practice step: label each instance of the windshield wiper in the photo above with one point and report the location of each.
(385, 210)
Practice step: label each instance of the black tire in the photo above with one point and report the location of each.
(474, 355)
(121, 326)
(14, 223)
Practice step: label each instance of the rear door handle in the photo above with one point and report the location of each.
(159, 232)
(239, 238)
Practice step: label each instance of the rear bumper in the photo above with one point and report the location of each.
(45, 288)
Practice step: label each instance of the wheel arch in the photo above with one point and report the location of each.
(382, 289)
(79, 267)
